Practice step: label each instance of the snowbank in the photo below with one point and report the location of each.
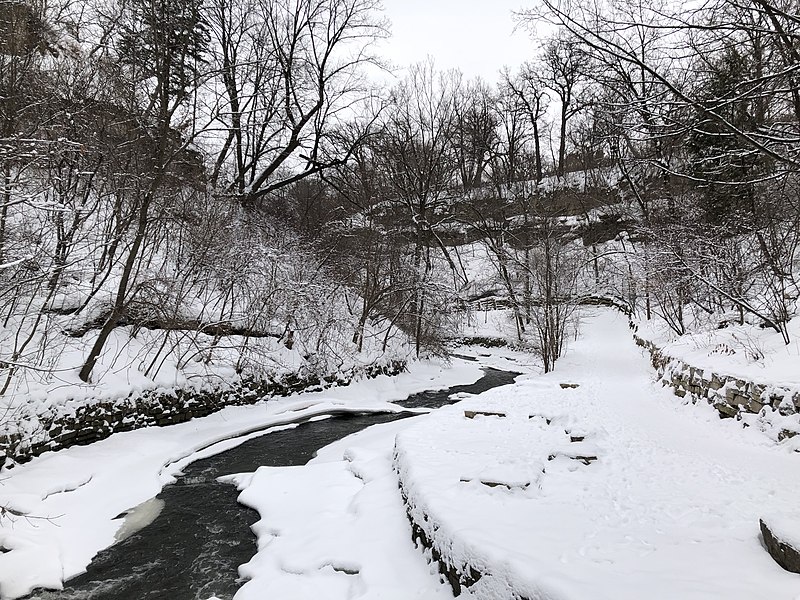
(744, 351)
(37, 427)
(773, 409)
(335, 528)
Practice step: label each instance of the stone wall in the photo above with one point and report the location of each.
(426, 533)
(730, 396)
(459, 577)
(53, 428)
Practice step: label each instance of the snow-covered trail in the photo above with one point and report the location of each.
(683, 490)
(646, 418)
(619, 381)
(668, 510)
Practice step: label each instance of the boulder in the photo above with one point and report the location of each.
(726, 410)
(782, 546)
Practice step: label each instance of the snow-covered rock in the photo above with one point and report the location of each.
(782, 539)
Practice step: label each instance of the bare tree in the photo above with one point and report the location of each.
(290, 75)
(554, 268)
(712, 120)
(566, 67)
(160, 46)
(420, 167)
(474, 131)
(528, 94)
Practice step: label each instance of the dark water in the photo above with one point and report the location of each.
(191, 551)
(433, 399)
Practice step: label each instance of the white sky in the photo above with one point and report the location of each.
(476, 36)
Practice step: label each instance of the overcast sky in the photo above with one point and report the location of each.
(477, 36)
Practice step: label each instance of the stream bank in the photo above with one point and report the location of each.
(200, 534)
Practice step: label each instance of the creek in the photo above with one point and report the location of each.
(198, 534)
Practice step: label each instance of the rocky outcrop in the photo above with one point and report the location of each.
(783, 551)
(40, 428)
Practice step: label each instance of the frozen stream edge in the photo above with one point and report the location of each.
(63, 531)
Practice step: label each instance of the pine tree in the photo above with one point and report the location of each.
(717, 157)
(163, 43)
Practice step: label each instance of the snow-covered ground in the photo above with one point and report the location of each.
(59, 509)
(745, 351)
(611, 490)
(336, 528)
(491, 324)
(658, 500)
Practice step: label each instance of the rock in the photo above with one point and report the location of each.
(585, 459)
(547, 420)
(471, 414)
(786, 407)
(754, 406)
(565, 386)
(726, 410)
(740, 400)
(785, 553)
(774, 399)
(508, 485)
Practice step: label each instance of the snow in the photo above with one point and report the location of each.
(68, 501)
(352, 541)
(271, 285)
(744, 351)
(505, 359)
(667, 507)
(139, 517)
(611, 488)
(60, 391)
(490, 323)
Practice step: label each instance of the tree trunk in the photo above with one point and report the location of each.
(562, 144)
(6, 201)
(122, 292)
(537, 146)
